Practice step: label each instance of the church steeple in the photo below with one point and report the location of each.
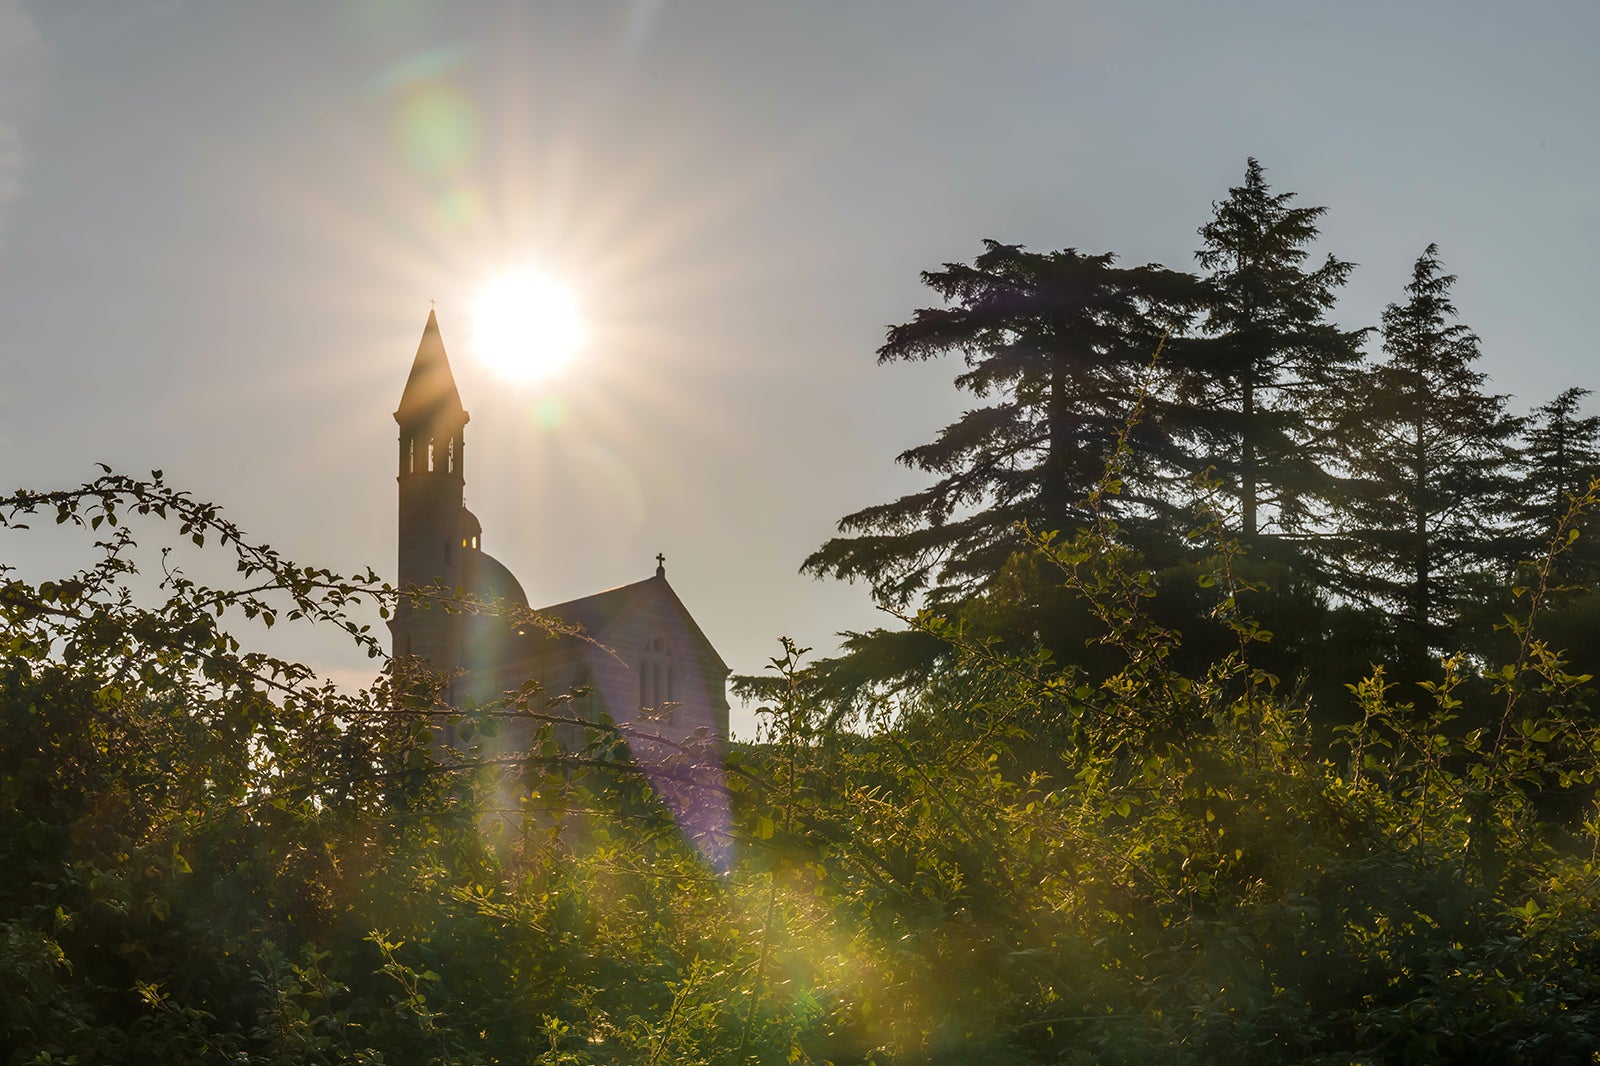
(431, 387)
(432, 480)
(431, 416)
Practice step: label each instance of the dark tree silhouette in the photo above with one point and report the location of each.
(1271, 358)
(1430, 458)
(1561, 456)
(1059, 344)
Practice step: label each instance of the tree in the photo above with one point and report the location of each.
(1263, 378)
(1429, 462)
(1060, 344)
(1560, 458)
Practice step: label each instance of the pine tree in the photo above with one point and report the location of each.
(1059, 344)
(1560, 458)
(1430, 458)
(1271, 357)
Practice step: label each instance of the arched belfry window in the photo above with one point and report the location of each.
(658, 676)
(429, 450)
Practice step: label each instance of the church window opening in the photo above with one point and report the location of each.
(658, 676)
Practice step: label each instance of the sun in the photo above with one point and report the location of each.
(527, 326)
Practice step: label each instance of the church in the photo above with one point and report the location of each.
(634, 649)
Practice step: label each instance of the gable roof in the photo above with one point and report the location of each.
(598, 613)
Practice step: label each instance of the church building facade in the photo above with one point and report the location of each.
(638, 653)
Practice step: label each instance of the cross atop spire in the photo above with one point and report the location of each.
(661, 565)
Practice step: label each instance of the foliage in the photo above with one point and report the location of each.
(1265, 375)
(1060, 343)
(1560, 457)
(1430, 463)
(214, 857)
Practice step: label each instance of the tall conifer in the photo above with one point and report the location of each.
(1561, 456)
(1057, 344)
(1430, 460)
(1266, 371)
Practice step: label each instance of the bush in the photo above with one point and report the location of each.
(211, 855)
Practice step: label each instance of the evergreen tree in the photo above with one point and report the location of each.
(1429, 462)
(1561, 456)
(1261, 393)
(1059, 344)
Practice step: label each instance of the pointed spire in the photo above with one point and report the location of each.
(431, 388)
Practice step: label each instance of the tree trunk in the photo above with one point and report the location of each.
(1247, 461)
(1420, 607)
(1053, 493)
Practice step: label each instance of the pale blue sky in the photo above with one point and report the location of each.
(221, 224)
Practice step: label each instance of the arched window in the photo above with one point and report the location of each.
(658, 678)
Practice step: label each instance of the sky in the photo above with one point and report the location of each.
(222, 224)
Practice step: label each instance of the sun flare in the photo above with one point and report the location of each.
(527, 326)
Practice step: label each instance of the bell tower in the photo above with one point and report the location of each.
(432, 481)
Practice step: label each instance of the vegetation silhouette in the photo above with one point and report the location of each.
(214, 856)
(1382, 504)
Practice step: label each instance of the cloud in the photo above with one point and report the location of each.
(22, 53)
